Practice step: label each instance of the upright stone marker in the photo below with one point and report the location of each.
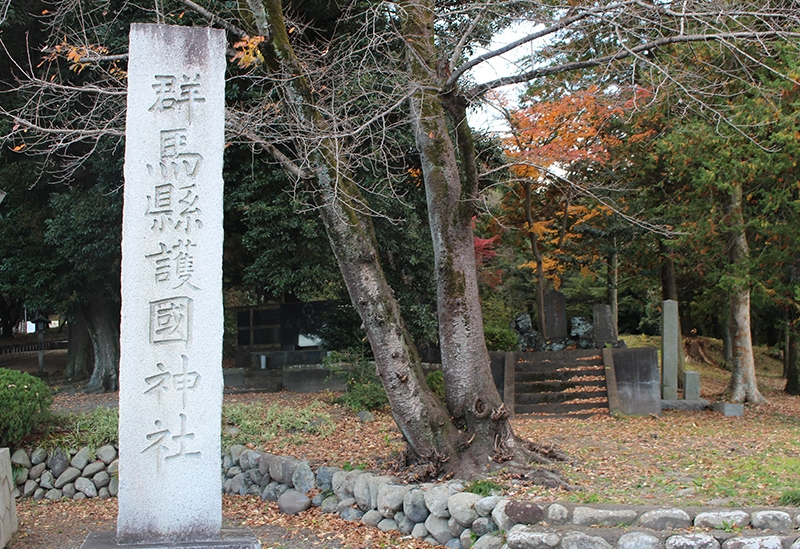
(670, 347)
(555, 315)
(605, 329)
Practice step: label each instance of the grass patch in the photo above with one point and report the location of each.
(256, 424)
(76, 430)
(485, 488)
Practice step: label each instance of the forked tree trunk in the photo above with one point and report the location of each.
(742, 387)
(102, 321)
(537, 256)
(420, 415)
(472, 397)
(80, 355)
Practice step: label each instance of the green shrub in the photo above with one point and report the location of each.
(24, 405)
(485, 488)
(364, 388)
(76, 430)
(435, 381)
(500, 338)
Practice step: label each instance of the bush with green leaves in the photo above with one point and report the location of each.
(364, 388)
(24, 404)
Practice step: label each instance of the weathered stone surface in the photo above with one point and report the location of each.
(771, 520)
(101, 479)
(523, 536)
(85, 485)
(366, 416)
(20, 459)
(462, 507)
(53, 494)
(588, 516)
(345, 503)
(264, 463)
(665, 519)
(500, 517)
(361, 491)
(239, 484)
(524, 512)
(113, 467)
(38, 456)
(722, 519)
(103, 493)
(79, 496)
(691, 541)
(281, 469)
(329, 505)
(273, 491)
(438, 528)
(113, 486)
(82, 458)
(466, 538)
(436, 500)
(638, 540)
(343, 483)
(106, 454)
(404, 524)
(236, 452)
(93, 468)
(390, 498)
(244, 460)
(303, 477)
(58, 462)
(38, 495)
(47, 480)
(20, 475)
(487, 542)
(37, 470)
(255, 477)
(419, 531)
(579, 540)
(372, 518)
(351, 514)
(557, 514)
(67, 476)
(387, 525)
(325, 477)
(455, 528)
(483, 525)
(763, 542)
(486, 505)
(292, 502)
(453, 543)
(29, 488)
(69, 490)
(414, 505)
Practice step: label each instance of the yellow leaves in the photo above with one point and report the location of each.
(247, 51)
(19, 147)
(79, 57)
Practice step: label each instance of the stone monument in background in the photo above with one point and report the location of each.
(670, 347)
(172, 311)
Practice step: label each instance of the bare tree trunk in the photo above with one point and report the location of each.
(472, 397)
(102, 321)
(742, 387)
(613, 285)
(80, 354)
(537, 255)
(420, 415)
(792, 364)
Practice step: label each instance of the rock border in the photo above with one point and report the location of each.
(440, 514)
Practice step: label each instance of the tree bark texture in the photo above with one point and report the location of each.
(743, 387)
(420, 415)
(80, 354)
(102, 322)
(472, 398)
(793, 365)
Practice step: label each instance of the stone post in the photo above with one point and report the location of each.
(171, 383)
(8, 507)
(670, 347)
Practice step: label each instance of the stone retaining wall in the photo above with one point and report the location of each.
(441, 514)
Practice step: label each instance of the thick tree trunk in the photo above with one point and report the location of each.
(420, 415)
(472, 397)
(80, 355)
(102, 322)
(613, 286)
(10, 315)
(743, 387)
